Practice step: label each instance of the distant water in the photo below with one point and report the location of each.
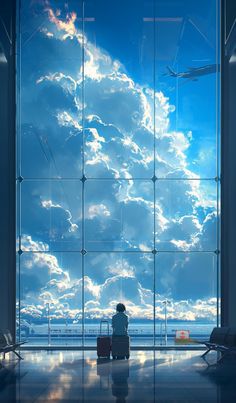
(140, 333)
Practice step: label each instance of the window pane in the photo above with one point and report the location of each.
(50, 92)
(119, 215)
(51, 298)
(188, 281)
(119, 277)
(118, 191)
(186, 215)
(51, 215)
(118, 89)
(18, 332)
(187, 80)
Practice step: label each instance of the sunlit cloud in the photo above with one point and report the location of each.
(48, 204)
(66, 82)
(118, 145)
(65, 119)
(33, 246)
(98, 210)
(121, 268)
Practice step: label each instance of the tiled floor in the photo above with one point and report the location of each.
(166, 376)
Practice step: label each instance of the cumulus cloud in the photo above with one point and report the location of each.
(96, 210)
(123, 281)
(32, 246)
(117, 136)
(48, 204)
(64, 119)
(122, 268)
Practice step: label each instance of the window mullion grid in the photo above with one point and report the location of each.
(217, 117)
(83, 170)
(154, 174)
(18, 157)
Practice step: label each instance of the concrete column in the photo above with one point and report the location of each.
(7, 166)
(228, 164)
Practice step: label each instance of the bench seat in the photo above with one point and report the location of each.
(7, 345)
(223, 340)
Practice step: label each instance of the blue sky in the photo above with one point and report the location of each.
(98, 117)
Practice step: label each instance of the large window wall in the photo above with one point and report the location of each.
(118, 168)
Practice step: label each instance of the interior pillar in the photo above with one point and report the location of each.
(228, 163)
(7, 165)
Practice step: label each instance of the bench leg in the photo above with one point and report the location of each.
(223, 354)
(18, 355)
(220, 358)
(206, 352)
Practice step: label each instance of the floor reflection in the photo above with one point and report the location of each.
(166, 376)
(120, 375)
(114, 374)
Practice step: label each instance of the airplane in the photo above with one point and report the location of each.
(194, 72)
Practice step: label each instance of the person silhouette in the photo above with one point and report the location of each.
(120, 321)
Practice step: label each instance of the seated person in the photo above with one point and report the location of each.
(120, 321)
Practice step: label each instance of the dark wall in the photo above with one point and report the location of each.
(230, 13)
(228, 164)
(7, 165)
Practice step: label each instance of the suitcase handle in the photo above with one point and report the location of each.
(107, 323)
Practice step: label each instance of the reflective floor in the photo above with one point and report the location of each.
(166, 376)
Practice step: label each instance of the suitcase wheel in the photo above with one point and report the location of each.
(127, 356)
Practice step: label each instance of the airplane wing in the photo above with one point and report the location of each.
(171, 72)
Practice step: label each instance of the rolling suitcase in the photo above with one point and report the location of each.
(120, 347)
(104, 342)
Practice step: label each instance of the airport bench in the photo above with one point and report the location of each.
(222, 340)
(7, 345)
